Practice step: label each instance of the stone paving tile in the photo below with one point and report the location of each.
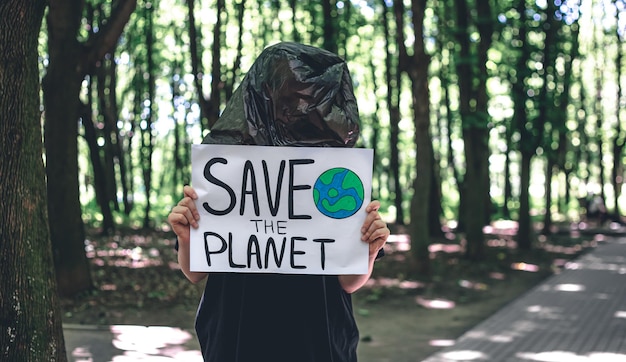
(578, 315)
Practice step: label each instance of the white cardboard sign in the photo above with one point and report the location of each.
(289, 210)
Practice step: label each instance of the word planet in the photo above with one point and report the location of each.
(338, 193)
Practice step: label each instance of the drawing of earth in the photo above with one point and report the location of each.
(338, 193)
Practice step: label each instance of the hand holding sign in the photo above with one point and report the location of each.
(185, 214)
(374, 230)
(284, 210)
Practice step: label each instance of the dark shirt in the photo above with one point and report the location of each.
(276, 317)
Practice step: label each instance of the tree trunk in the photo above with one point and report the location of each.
(393, 79)
(99, 178)
(508, 188)
(619, 139)
(196, 63)
(330, 28)
(547, 216)
(416, 66)
(147, 137)
(217, 84)
(526, 143)
(475, 138)
(30, 316)
(474, 207)
(525, 230)
(485, 24)
(69, 62)
(61, 87)
(548, 113)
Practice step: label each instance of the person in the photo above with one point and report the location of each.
(293, 95)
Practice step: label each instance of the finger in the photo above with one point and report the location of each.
(371, 217)
(176, 218)
(188, 214)
(374, 247)
(189, 203)
(373, 206)
(188, 191)
(373, 227)
(379, 235)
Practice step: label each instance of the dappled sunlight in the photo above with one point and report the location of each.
(575, 316)
(136, 255)
(501, 243)
(569, 288)
(517, 329)
(141, 343)
(525, 267)
(437, 303)
(550, 313)
(446, 248)
(134, 343)
(502, 227)
(559, 249)
(441, 342)
(561, 356)
(398, 242)
(472, 285)
(394, 283)
(614, 264)
(463, 356)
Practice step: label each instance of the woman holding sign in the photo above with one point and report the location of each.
(293, 95)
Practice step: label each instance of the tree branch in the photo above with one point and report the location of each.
(105, 40)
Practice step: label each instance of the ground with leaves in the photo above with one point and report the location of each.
(400, 317)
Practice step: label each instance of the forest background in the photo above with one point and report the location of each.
(478, 111)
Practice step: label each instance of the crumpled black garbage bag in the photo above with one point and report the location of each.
(293, 95)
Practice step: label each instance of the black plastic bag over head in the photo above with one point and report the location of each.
(293, 95)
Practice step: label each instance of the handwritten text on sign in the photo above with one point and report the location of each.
(291, 210)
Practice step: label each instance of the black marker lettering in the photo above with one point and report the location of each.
(292, 187)
(230, 253)
(207, 250)
(274, 205)
(209, 177)
(253, 249)
(248, 169)
(295, 252)
(323, 249)
(278, 259)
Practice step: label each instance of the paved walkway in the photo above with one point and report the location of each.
(130, 343)
(578, 315)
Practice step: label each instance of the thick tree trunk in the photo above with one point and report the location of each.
(69, 62)
(30, 317)
(416, 67)
(61, 87)
(474, 207)
(475, 137)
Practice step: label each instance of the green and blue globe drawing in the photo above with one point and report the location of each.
(338, 193)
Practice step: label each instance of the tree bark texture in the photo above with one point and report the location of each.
(30, 318)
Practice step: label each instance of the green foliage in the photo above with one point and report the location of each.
(531, 104)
